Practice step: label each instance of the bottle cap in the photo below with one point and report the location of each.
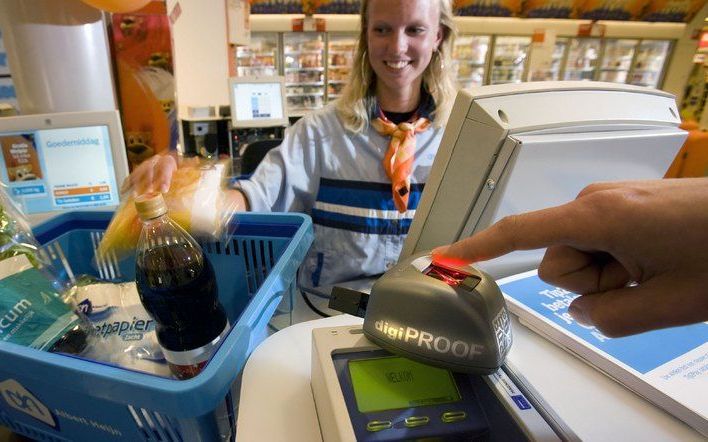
(150, 205)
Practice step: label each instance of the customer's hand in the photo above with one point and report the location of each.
(637, 251)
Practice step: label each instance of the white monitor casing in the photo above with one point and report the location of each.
(64, 120)
(513, 148)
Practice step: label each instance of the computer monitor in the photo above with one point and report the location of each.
(257, 102)
(513, 148)
(63, 161)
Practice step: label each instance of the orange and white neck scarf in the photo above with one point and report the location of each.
(398, 161)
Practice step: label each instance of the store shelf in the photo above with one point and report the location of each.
(303, 94)
(298, 84)
(340, 66)
(306, 52)
(318, 69)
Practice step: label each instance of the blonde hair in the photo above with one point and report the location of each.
(359, 95)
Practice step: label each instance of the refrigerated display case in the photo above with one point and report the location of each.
(486, 51)
(648, 65)
(554, 71)
(340, 57)
(616, 61)
(469, 56)
(304, 69)
(508, 59)
(260, 58)
(583, 59)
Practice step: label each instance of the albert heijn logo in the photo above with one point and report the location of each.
(19, 398)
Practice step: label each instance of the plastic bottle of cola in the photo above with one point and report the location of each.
(177, 286)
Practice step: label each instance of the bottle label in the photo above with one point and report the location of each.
(187, 364)
(31, 312)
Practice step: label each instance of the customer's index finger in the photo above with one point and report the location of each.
(527, 231)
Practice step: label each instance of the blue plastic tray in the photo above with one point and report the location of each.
(54, 397)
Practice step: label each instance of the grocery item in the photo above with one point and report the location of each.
(195, 200)
(33, 314)
(177, 286)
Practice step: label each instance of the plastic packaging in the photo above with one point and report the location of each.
(35, 306)
(125, 329)
(177, 286)
(196, 201)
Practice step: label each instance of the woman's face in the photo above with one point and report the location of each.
(402, 35)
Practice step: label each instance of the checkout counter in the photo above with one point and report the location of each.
(277, 405)
(500, 156)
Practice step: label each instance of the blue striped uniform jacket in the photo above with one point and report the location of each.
(336, 177)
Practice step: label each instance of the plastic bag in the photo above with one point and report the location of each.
(196, 201)
(125, 329)
(16, 236)
(35, 305)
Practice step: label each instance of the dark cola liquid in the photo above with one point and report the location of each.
(182, 297)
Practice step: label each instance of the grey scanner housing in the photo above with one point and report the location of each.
(463, 327)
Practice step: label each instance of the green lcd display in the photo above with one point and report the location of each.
(391, 383)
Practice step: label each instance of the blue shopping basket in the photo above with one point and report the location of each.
(52, 397)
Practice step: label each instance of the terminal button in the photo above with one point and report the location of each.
(374, 426)
(416, 421)
(450, 417)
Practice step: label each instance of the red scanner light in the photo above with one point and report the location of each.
(450, 277)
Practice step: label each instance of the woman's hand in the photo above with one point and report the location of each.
(637, 251)
(152, 175)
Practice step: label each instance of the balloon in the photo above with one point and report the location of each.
(117, 5)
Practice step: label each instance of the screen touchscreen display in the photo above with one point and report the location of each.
(394, 382)
(257, 101)
(62, 168)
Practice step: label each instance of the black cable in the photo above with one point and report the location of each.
(312, 306)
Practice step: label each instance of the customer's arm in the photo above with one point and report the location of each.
(652, 233)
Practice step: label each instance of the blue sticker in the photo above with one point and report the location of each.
(521, 402)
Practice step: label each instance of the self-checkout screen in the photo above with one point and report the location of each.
(59, 168)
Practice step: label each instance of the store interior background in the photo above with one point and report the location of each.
(166, 65)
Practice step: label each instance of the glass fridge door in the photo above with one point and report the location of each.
(303, 60)
(508, 59)
(649, 62)
(260, 58)
(583, 57)
(469, 57)
(340, 57)
(616, 60)
(554, 70)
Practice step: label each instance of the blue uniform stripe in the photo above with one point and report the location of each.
(361, 224)
(364, 195)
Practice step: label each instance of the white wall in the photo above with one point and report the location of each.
(58, 54)
(200, 49)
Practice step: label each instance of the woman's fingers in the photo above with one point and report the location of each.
(153, 174)
(163, 171)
